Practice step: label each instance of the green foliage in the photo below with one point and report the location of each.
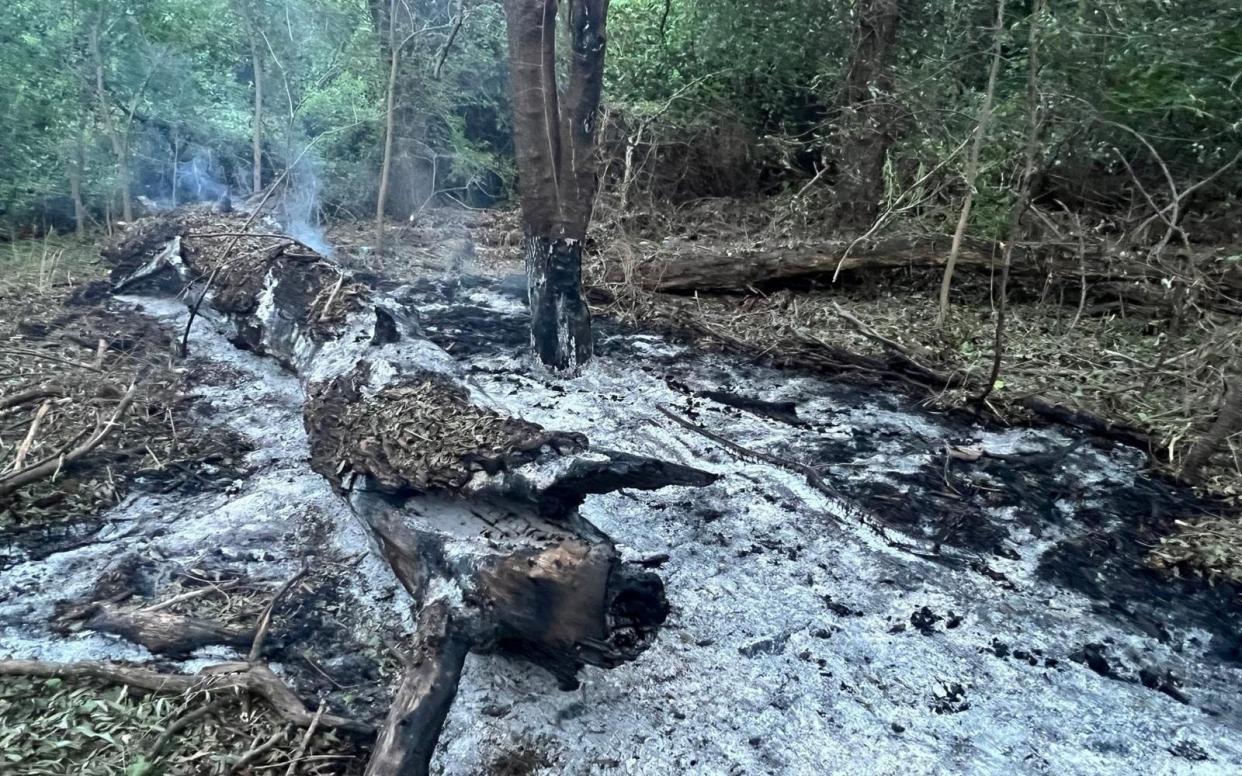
(1171, 70)
(760, 61)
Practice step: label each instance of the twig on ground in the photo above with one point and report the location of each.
(813, 478)
(20, 398)
(258, 751)
(182, 722)
(265, 619)
(306, 739)
(23, 449)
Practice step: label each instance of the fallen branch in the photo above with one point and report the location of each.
(23, 449)
(869, 332)
(265, 619)
(182, 722)
(813, 478)
(258, 751)
(229, 677)
(164, 633)
(407, 740)
(33, 394)
(306, 739)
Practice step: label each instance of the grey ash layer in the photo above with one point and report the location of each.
(800, 642)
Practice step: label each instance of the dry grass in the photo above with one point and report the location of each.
(66, 362)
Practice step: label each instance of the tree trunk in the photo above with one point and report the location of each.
(560, 321)
(394, 63)
(1030, 155)
(867, 116)
(119, 149)
(75, 186)
(256, 174)
(554, 141)
(972, 164)
(407, 180)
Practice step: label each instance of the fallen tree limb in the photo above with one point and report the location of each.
(164, 633)
(407, 740)
(683, 267)
(258, 680)
(21, 397)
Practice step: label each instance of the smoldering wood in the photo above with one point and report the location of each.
(456, 496)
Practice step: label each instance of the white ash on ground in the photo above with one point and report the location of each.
(800, 642)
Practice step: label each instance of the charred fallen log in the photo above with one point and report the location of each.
(476, 513)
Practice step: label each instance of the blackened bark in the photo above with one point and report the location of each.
(554, 137)
(867, 114)
(408, 739)
(560, 321)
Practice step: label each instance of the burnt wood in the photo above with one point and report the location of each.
(475, 513)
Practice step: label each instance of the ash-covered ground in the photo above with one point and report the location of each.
(974, 604)
(801, 642)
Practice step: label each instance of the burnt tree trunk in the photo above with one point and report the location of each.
(561, 332)
(554, 136)
(475, 513)
(867, 114)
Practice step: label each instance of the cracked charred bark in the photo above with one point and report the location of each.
(483, 531)
(554, 137)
